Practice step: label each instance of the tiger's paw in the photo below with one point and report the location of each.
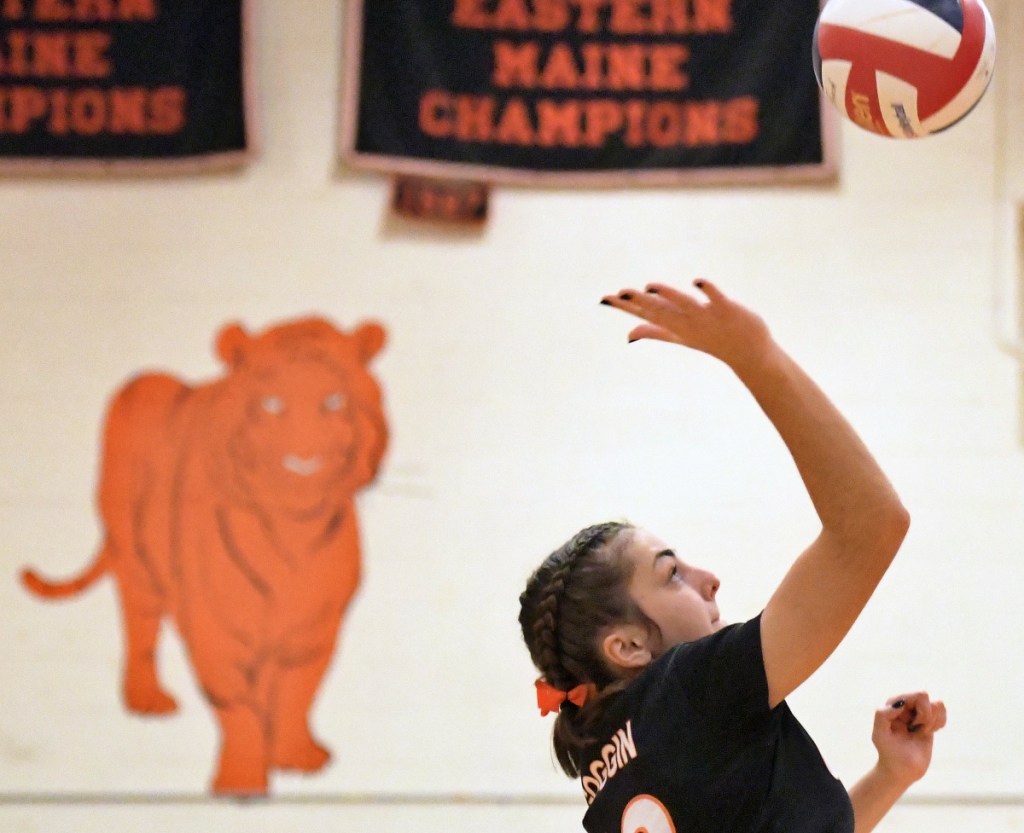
(308, 757)
(240, 784)
(149, 700)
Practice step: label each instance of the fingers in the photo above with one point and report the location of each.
(651, 331)
(660, 305)
(916, 711)
(663, 291)
(714, 325)
(884, 718)
(715, 295)
(652, 297)
(671, 295)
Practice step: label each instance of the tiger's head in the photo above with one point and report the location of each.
(299, 414)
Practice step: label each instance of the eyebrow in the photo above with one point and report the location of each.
(664, 554)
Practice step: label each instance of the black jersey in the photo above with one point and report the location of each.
(692, 746)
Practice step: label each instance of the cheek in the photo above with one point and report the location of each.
(689, 616)
(672, 612)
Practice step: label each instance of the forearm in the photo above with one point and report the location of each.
(852, 496)
(872, 797)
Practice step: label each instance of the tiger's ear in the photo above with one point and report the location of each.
(369, 339)
(232, 344)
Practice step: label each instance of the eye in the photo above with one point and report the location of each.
(272, 405)
(334, 401)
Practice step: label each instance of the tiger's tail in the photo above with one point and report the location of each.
(36, 584)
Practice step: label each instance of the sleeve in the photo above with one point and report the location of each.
(719, 678)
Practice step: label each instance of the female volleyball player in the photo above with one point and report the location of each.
(674, 721)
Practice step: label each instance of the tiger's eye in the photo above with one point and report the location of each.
(273, 405)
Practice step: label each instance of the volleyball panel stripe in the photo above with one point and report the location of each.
(901, 21)
(977, 25)
(898, 102)
(834, 75)
(949, 10)
(972, 92)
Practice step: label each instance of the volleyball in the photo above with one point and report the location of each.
(904, 68)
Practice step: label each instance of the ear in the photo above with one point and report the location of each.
(232, 344)
(627, 647)
(369, 339)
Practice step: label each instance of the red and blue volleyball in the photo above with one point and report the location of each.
(904, 68)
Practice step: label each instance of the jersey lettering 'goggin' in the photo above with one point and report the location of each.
(612, 757)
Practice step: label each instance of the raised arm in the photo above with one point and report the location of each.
(863, 522)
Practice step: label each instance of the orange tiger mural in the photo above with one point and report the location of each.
(229, 507)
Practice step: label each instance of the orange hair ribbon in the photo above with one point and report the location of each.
(550, 699)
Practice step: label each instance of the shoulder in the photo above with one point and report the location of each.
(736, 643)
(724, 670)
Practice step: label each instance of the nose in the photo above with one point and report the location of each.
(707, 584)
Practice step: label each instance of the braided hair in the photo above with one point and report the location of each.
(579, 591)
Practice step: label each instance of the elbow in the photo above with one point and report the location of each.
(893, 523)
(869, 544)
(904, 519)
(878, 532)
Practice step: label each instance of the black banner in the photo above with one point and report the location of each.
(585, 90)
(123, 83)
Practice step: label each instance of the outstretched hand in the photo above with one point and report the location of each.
(903, 735)
(719, 326)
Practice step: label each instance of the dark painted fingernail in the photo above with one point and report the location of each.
(899, 704)
(632, 340)
(625, 296)
(699, 284)
(915, 728)
(652, 291)
(606, 302)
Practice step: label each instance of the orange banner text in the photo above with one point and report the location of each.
(89, 111)
(79, 11)
(575, 123)
(617, 17)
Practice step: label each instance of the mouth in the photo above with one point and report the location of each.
(303, 466)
